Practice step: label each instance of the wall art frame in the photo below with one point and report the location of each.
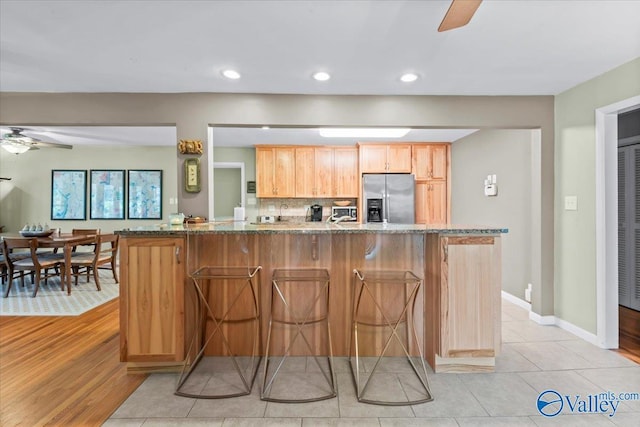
(144, 194)
(68, 194)
(106, 193)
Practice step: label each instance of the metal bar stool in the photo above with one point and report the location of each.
(234, 303)
(386, 299)
(299, 301)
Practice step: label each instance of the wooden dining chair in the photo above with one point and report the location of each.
(105, 250)
(20, 263)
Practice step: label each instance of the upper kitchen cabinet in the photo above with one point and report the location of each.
(314, 172)
(430, 161)
(275, 172)
(345, 172)
(385, 158)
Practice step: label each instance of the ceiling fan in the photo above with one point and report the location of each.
(16, 142)
(459, 14)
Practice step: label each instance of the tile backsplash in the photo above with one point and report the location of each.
(295, 209)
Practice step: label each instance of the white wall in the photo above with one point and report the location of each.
(27, 197)
(506, 153)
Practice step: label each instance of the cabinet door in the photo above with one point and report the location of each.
(436, 206)
(305, 171)
(430, 161)
(431, 202)
(323, 160)
(284, 173)
(373, 158)
(345, 172)
(421, 162)
(265, 161)
(438, 161)
(470, 297)
(152, 299)
(399, 158)
(422, 189)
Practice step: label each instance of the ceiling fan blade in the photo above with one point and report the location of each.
(38, 144)
(459, 14)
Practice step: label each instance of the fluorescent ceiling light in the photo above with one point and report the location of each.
(14, 147)
(231, 74)
(409, 77)
(321, 76)
(265, 127)
(363, 132)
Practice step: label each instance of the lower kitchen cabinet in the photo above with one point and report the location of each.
(152, 284)
(463, 285)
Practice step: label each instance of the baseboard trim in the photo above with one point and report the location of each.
(552, 320)
(517, 301)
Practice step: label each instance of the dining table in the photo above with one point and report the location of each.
(66, 241)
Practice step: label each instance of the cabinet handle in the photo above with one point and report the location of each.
(178, 254)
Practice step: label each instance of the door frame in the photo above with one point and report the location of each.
(607, 328)
(228, 165)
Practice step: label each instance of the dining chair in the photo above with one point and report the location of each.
(86, 246)
(26, 261)
(105, 250)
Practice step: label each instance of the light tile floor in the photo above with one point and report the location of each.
(534, 359)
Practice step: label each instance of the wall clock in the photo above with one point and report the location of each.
(192, 175)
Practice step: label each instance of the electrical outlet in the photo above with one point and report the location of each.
(571, 203)
(271, 208)
(527, 293)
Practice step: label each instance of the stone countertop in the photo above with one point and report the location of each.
(226, 227)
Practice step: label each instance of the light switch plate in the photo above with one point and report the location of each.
(570, 203)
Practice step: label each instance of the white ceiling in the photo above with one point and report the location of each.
(509, 48)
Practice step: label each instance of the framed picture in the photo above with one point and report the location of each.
(106, 199)
(68, 194)
(145, 194)
(192, 175)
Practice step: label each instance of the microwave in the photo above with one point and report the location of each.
(340, 211)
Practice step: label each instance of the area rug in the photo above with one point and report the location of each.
(51, 301)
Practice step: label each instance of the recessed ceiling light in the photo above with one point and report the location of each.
(409, 77)
(321, 76)
(231, 74)
(363, 132)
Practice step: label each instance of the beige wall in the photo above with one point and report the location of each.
(506, 153)
(193, 113)
(27, 197)
(575, 241)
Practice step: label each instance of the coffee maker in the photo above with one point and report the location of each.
(316, 212)
(374, 210)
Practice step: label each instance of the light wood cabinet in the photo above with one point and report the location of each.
(314, 171)
(152, 283)
(275, 172)
(345, 172)
(319, 172)
(431, 169)
(385, 158)
(430, 161)
(463, 283)
(431, 202)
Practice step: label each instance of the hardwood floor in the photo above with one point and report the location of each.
(62, 371)
(629, 321)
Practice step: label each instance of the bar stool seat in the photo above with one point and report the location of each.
(299, 302)
(383, 303)
(234, 304)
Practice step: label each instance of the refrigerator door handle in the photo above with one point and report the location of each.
(385, 213)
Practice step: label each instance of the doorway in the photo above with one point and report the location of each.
(607, 220)
(228, 188)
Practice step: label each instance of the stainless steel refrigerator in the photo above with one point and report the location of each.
(389, 197)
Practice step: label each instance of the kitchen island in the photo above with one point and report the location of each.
(457, 313)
